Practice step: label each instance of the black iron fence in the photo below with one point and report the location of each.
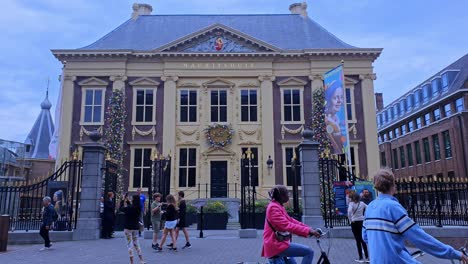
(435, 201)
(23, 203)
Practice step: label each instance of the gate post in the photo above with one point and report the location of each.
(310, 178)
(89, 221)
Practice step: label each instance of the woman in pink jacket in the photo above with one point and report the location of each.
(279, 227)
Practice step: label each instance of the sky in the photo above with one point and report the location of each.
(419, 38)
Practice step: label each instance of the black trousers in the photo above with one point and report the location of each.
(356, 227)
(107, 227)
(45, 235)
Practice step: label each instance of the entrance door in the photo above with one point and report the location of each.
(218, 179)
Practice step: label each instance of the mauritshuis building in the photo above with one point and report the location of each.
(424, 132)
(254, 74)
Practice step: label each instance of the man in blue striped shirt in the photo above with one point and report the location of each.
(387, 226)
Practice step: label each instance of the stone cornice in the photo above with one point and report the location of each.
(314, 77)
(166, 78)
(263, 78)
(118, 78)
(370, 76)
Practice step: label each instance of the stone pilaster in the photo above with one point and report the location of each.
(118, 82)
(169, 121)
(317, 82)
(89, 220)
(310, 179)
(66, 117)
(268, 137)
(370, 123)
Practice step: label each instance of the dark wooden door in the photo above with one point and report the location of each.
(218, 174)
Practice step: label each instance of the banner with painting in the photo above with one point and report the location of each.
(335, 111)
(343, 189)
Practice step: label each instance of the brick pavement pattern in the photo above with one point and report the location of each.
(217, 247)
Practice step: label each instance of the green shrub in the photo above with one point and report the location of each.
(215, 207)
(191, 209)
(260, 206)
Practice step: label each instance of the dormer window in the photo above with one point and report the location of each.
(445, 82)
(435, 86)
(410, 101)
(426, 92)
(417, 97)
(403, 106)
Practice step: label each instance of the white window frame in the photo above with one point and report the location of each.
(132, 167)
(83, 101)
(219, 105)
(352, 102)
(135, 90)
(187, 167)
(354, 147)
(301, 105)
(179, 108)
(248, 105)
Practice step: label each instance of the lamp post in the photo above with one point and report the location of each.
(295, 166)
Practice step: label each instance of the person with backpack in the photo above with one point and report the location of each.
(48, 217)
(356, 211)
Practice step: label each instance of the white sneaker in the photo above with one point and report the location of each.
(44, 248)
(360, 260)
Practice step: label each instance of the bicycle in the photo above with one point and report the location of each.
(419, 253)
(323, 255)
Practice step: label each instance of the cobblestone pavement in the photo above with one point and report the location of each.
(216, 247)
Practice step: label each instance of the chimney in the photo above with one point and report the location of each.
(379, 101)
(299, 9)
(141, 10)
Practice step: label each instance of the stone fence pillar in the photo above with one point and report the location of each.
(310, 179)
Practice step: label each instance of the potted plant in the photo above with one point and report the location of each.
(191, 214)
(215, 216)
(260, 212)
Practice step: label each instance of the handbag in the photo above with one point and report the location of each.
(280, 236)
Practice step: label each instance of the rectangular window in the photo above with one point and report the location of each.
(410, 126)
(403, 130)
(436, 114)
(445, 82)
(397, 134)
(410, 101)
(427, 119)
(402, 157)
(390, 135)
(435, 86)
(426, 92)
(249, 105)
(447, 144)
(292, 105)
(386, 116)
(144, 105)
(93, 105)
(254, 163)
(403, 106)
(349, 104)
(459, 105)
(218, 106)
(409, 151)
(417, 149)
(187, 167)
(392, 113)
(353, 160)
(418, 123)
(385, 137)
(142, 167)
(417, 97)
(395, 159)
(289, 154)
(448, 109)
(383, 159)
(435, 142)
(398, 110)
(427, 151)
(188, 106)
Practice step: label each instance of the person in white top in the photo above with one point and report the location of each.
(356, 211)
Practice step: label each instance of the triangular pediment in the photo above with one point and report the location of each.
(218, 38)
(217, 152)
(219, 83)
(144, 82)
(93, 81)
(292, 81)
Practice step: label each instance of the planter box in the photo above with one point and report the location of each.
(259, 220)
(213, 221)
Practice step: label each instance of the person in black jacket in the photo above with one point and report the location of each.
(108, 216)
(48, 213)
(181, 225)
(132, 225)
(171, 222)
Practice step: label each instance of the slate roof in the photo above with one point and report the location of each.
(41, 133)
(460, 65)
(285, 31)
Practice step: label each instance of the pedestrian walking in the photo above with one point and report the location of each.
(356, 211)
(108, 216)
(171, 222)
(143, 208)
(48, 215)
(156, 218)
(387, 227)
(181, 225)
(132, 213)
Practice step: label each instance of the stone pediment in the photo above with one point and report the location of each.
(93, 81)
(218, 152)
(219, 83)
(292, 81)
(218, 38)
(144, 82)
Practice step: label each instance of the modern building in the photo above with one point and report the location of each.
(424, 132)
(249, 76)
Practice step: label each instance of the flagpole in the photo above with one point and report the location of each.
(348, 148)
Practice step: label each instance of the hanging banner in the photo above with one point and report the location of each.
(335, 111)
(342, 189)
(366, 191)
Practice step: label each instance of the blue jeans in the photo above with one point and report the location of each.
(294, 250)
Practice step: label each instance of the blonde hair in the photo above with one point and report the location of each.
(170, 199)
(384, 180)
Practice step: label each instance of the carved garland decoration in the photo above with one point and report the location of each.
(219, 135)
(135, 131)
(284, 129)
(83, 131)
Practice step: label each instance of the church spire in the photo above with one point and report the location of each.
(46, 105)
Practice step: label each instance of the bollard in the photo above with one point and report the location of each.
(201, 222)
(4, 227)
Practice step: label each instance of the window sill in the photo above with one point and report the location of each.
(449, 158)
(143, 123)
(249, 123)
(91, 124)
(292, 122)
(188, 123)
